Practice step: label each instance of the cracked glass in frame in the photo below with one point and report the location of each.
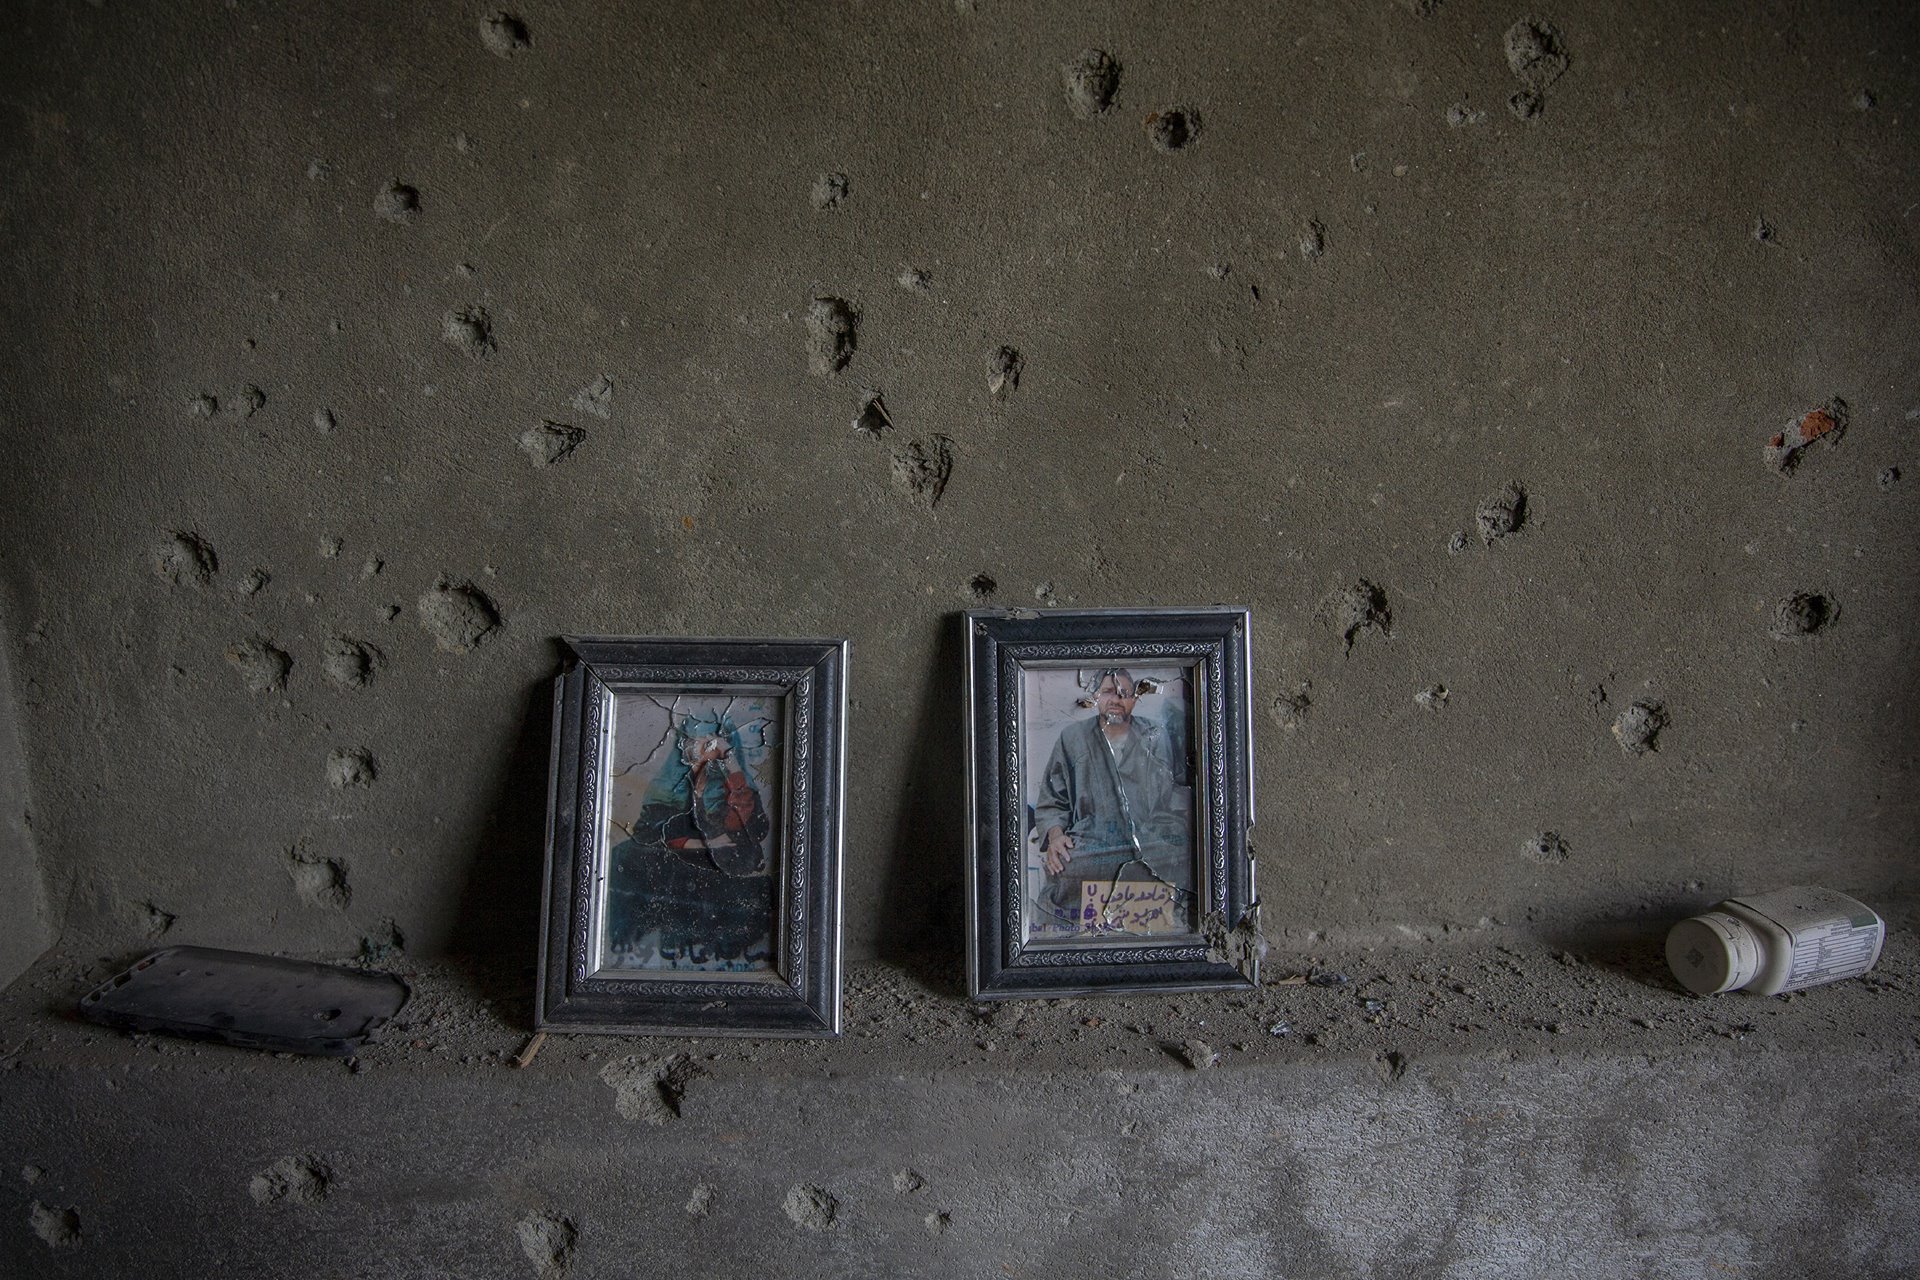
(1108, 769)
(689, 882)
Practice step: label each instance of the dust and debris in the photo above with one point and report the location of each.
(1535, 52)
(157, 920)
(1764, 232)
(700, 1200)
(830, 335)
(1004, 365)
(1460, 115)
(1242, 947)
(1547, 847)
(351, 767)
(253, 582)
(811, 1207)
(458, 615)
(1197, 1054)
(1431, 698)
(1173, 128)
(1827, 423)
(1638, 727)
(349, 663)
(596, 397)
(549, 1240)
(1359, 608)
(872, 421)
(320, 881)
(185, 559)
(470, 331)
(292, 1180)
(396, 202)
(1290, 710)
(549, 442)
(1313, 238)
(505, 34)
(938, 1223)
(1390, 1066)
(1503, 514)
(913, 280)
(1888, 477)
(650, 1089)
(324, 421)
(1803, 614)
(1526, 105)
(1091, 81)
(982, 586)
(829, 191)
(262, 665)
(923, 469)
(58, 1228)
(906, 1182)
(382, 945)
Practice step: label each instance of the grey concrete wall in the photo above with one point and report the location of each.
(25, 930)
(249, 424)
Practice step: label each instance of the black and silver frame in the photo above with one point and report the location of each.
(1002, 962)
(800, 993)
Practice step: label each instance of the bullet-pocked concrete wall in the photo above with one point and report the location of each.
(357, 351)
(25, 929)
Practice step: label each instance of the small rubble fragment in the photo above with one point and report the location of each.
(549, 442)
(872, 421)
(292, 1180)
(1828, 423)
(1004, 365)
(1091, 80)
(923, 469)
(1535, 52)
(205, 405)
(457, 615)
(349, 663)
(351, 767)
(1358, 608)
(938, 1223)
(650, 1090)
(253, 582)
(549, 1240)
(157, 921)
(1547, 847)
(1503, 514)
(320, 882)
(505, 34)
(811, 1207)
(262, 665)
(1173, 128)
(908, 1181)
(248, 401)
(596, 397)
(397, 202)
(829, 191)
(1313, 238)
(1431, 698)
(830, 335)
(57, 1227)
(1198, 1054)
(1803, 614)
(1526, 105)
(700, 1200)
(913, 280)
(469, 331)
(1638, 727)
(185, 559)
(324, 421)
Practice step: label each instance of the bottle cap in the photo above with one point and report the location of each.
(1712, 953)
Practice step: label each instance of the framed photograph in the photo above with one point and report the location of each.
(693, 838)
(1110, 794)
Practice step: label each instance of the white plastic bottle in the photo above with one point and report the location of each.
(1774, 942)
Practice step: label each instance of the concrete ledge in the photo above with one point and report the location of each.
(1495, 1111)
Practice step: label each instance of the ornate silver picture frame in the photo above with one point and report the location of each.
(694, 838)
(1110, 767)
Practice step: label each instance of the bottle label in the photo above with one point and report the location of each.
(1833, 936)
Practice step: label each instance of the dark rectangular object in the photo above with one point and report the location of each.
(253, 1001)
